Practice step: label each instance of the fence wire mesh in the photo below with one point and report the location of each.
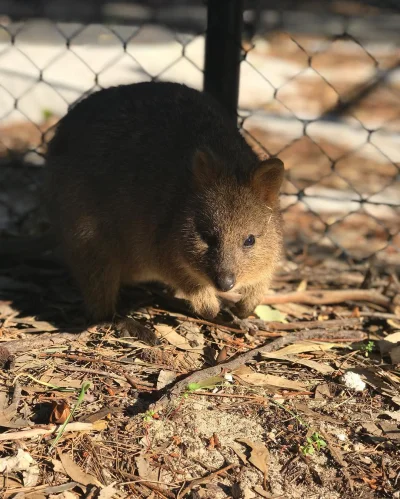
(320, 88)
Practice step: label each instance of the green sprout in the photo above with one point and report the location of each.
(314, 443)
(368, 348)
(148, 416)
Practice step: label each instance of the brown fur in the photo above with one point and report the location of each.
(150, 182)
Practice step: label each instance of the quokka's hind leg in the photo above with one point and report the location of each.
(99, 278)
(99, 281)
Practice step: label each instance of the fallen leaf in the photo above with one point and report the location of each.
(317, 366)
(322, 391)
(238, 451)
(259, 379)
(390, 430)
(395, 355)
(60, 411)
(58, 467)
(222, 355)
(165, 378)
(40, 325)
(315, 415)
(393, 415)
(106, 412)
(206, 383)
(389, 342)
(193, 334)
(60, 382)
(302, 286)
(108, 492)
(8, 482)
(145, 471)
(22, 462)
(269, 314)
(168, 333)
(259, 456)
(371, 429)
(262, 493)
(307, 346)
(75, 472)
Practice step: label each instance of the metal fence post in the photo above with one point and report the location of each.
(223, 52)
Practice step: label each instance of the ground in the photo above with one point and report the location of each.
(284, 424)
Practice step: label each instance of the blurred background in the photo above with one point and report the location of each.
(319, 87)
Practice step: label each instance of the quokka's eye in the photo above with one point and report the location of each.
(250, 241)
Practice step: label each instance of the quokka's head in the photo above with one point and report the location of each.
(231, 229)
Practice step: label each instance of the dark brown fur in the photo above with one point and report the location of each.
(150, 182)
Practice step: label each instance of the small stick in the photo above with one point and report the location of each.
(326, 297)
(42, 341)
(239, 360)
(37, 432)
(159, 490)
(186, 318)
(280, 326)
(206, 479)
(134, 382)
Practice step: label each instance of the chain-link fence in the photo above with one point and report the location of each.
(319, 87)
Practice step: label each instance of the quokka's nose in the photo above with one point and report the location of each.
(225, 282)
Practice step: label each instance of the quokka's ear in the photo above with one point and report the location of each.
(267, 179)
(204, 168)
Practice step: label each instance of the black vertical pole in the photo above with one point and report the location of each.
(223, 52)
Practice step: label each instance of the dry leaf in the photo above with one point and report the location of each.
(75, 472)
(395, 355)
(42, 326)
(389, 342)
(222, 355)
(108, 492)
(393, 415)
(302, 286)
(259, 379)
(269, 314)
(322, 391)
(238, 451)
(168, 333)
(145, 471)
(317, 366)
(23, 462)
(259, 456)
(165, 378)
(60, 411)
(263, 493)
(58, 467)
(307, 346)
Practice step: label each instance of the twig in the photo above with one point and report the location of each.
(185, 318)
(259, 399)
(206, 479)
(292, 326)
(42, 341)
(325, 297)
(89, 371)
(37, 432)
(377, 315)
(233, 364)
(135, 383)
(159, 490)
(337, 456)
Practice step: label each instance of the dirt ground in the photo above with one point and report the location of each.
(280, 423)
